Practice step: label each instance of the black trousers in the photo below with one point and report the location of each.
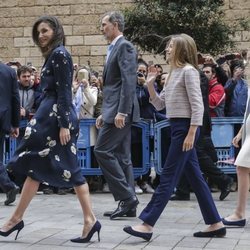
(5, 183)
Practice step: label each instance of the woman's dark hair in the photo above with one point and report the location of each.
(58, 37)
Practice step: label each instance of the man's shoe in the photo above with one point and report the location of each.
(124, 206)
(11, 195)
(177, 197)
(226, 189)
(131, 213)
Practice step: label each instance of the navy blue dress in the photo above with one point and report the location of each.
(40, 154)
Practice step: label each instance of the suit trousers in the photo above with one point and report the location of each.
(177, 162)
(113, 153)
(5, 183)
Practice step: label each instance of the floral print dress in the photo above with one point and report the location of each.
(40, 154)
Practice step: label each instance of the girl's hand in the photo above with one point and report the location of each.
(188, 143)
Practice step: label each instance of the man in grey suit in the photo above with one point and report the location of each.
(9, 123)
(119, 109)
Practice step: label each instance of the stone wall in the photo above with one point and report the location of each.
(80, 19)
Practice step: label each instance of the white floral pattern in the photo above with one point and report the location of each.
(27, 133)
(33, 122)
(57, 158)
(66, 175)
(24, 153)
(73, 148)
(41, 155)
(44, 152)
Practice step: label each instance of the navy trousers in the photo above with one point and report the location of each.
(177, 162)
(5, 183)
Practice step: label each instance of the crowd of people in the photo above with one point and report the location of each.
(196, 88)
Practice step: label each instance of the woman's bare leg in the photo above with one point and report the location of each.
(243, 190)
(30, 188)
(83, 196)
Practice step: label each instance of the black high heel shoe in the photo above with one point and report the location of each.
(19, 226)
(96, 228)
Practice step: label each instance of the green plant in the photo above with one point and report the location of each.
(149, 21)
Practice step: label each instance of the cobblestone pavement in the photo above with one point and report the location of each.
(51, 220)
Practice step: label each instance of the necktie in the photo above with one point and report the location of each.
(110, 47)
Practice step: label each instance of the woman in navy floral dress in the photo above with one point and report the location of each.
(47, 152)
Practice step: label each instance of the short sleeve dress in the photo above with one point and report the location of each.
(40, 154)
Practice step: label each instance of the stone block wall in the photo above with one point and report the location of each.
(81, 21)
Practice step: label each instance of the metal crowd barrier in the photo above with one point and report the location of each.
(85, 148)
(223, 131)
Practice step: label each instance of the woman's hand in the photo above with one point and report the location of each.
(64, 136)
(236, 140)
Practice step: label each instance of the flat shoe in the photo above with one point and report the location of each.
(131, 231)
(235, 223)
(216, 233)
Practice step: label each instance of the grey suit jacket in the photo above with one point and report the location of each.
(119, 83)
(9, 99)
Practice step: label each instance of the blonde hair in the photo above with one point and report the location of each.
(184, 52)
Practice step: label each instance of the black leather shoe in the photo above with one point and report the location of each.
(216, 233)
(226, 189)
(124, 206)
(131, 231)
(176, 197)
(131, 213)
(11, 195)
(235, 223)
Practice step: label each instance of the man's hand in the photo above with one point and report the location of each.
(64, 136)
(120, 120)
(99, 122)
(22, 112)
(14, 132)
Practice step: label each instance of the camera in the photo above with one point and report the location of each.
(139, 74)
(82, 74)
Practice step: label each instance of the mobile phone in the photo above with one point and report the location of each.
(82, 74)
(150, 63)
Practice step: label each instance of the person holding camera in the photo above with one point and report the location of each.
(236, 90)
(147, 113)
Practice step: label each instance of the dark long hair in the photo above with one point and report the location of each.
(58, 36)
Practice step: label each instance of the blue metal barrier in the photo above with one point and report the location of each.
(223, 132)
(84, 148)
(157, 144)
